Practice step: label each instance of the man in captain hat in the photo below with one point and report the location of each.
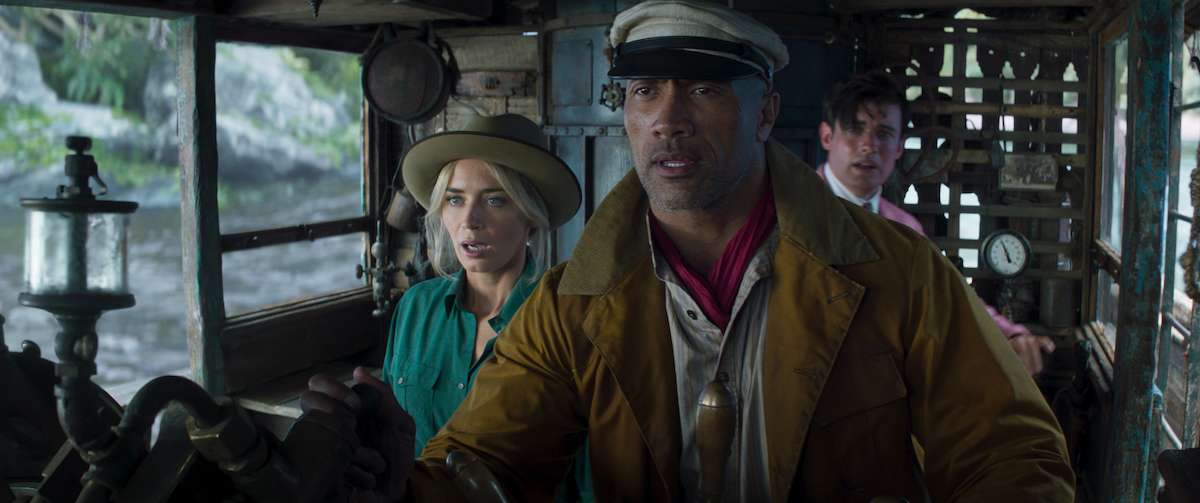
(729, 330)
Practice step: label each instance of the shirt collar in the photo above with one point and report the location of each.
(521, 289)
(841, 191)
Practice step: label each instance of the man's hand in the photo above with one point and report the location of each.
(1029, 349)
(383, 461)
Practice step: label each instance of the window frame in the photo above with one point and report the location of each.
(242, 31)
(242, 353)
(1103, 255)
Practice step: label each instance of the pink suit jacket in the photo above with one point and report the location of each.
(896, 214)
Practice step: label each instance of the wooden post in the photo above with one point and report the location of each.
(200, 225)
(1142, 252)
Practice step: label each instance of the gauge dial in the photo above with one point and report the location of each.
(1006, 253)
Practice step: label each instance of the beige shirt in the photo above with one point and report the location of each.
(701, 350)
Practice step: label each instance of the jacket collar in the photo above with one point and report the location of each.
(809, 215)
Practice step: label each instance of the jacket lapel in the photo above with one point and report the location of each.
(628, 323)
(810, 308)
(629, 329)
(809, 312)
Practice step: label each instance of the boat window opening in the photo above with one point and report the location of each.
(912, 92)
(289, 140)
(1107, 293)
(972, 70)
(947, 64)
(112, 78)
(1113, 168)
(968, 226)
(289, 132)
(266, 277)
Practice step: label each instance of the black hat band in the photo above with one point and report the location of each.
(744, 52)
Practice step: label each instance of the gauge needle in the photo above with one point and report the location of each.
(1007, 257)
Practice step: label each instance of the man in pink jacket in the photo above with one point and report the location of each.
(862, 134)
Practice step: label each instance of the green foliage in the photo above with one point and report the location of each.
(129, 170)
(92, 58)
(332, 76)
(105, 62)
(22, 137)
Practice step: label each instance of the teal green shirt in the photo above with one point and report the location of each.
(430, 355)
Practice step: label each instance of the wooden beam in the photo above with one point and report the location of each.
(250, 240)
(990, 25)
(998, 210)
(972, 156)
(266, 33)
(169, 9)
(1032, 111)
(350, 12)
(275, 342)
(1051, 86)
(1134, 421)
(855, 6)
(1035, 246)
(200, 226)
(1010, 41)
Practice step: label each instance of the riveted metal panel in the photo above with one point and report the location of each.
(578, 68)
(571, 150)
(612, 159)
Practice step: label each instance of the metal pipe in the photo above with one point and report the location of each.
(1142, 252)
(93, 492)
(78, 404)
(161, 391)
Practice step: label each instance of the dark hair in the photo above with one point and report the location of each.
(875, 87)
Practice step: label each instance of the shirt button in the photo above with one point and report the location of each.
(400, 381)
(691, 314)
(461, 385)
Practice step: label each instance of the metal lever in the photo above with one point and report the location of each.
(715, 425)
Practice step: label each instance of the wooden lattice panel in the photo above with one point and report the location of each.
(999, 88)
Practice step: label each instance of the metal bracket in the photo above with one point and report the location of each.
(612, 95)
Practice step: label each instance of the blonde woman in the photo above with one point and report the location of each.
(493, 194)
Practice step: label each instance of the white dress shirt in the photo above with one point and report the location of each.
(840, 190)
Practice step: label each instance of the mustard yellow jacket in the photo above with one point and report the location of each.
(874, 343)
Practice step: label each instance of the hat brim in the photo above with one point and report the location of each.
(550, 175)
(677, 64)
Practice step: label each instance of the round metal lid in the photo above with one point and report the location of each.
(406, 81)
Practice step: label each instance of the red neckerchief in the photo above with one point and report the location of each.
(716, 293)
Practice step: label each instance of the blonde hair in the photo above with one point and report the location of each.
(523, 193)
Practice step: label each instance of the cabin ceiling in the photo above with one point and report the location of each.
(357, 12)
(859, 6)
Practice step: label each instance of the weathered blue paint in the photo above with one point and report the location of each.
(1142, 249)
(199, 218)
(1191, 411)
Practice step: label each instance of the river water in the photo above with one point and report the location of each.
(150, 339)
